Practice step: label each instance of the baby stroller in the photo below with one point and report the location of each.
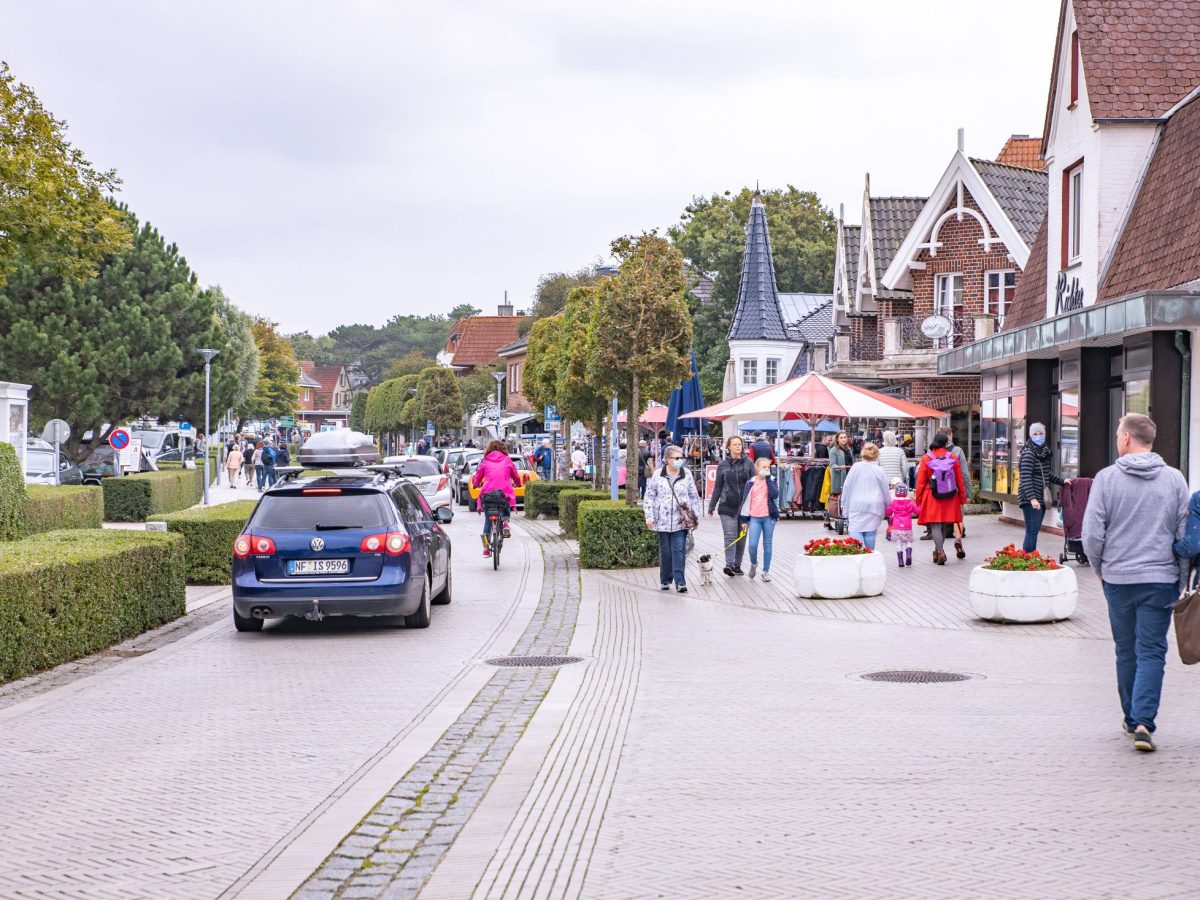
(834, 520)
(1073, 498)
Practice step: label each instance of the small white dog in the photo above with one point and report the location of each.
(706, 569)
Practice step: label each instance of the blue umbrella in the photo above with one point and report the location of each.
(687, 398)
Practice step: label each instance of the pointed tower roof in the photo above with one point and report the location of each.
(757, 316)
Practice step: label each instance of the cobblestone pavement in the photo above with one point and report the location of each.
(402, 840)
(176, 772)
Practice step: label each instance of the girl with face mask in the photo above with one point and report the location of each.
(760, 511)
(1036, 478)
(672, 506)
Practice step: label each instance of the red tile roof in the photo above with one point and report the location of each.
(327, 377)
(474, 340)
(1029, 302)
(1159, 247)
(1140, 57)
(1023, 151)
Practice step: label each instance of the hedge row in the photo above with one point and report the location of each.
(541, 497)
(12, 493)
(50, 508)
(614, 536)
(134, 498)
(208, 536)
(65, 594)
(568, 508)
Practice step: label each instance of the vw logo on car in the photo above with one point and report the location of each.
(318, 544)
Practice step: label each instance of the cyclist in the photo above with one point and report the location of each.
(496, 473)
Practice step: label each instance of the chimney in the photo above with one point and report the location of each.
(505, 308)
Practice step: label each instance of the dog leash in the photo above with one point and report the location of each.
(741, 535)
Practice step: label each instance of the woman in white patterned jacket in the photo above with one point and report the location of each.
(669, 492)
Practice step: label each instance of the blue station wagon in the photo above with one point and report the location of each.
(361, 544)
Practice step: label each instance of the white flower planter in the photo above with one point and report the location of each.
(838, 577)
(1002, 596)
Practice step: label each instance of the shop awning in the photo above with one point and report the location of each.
(1100, 325)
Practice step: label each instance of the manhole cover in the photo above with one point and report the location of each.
(909, 676)
(532, 662)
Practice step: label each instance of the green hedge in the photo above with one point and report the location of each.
(541, 497)
(12, 493)
(65, 594)
(208, 536)
(614, 536)
(568, 508)
(51, 508)
(134, 498)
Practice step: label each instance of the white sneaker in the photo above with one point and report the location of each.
(766, 576)
(753, 570)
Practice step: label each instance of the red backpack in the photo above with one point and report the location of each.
(941, 472)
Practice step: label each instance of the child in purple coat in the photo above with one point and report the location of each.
(900, 514)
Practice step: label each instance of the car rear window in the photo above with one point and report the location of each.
(300, 512)
(419, 468)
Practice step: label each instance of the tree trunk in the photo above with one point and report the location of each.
(631, 442)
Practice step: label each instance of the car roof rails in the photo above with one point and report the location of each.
(289, 473)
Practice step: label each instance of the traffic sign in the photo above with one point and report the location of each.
(185, 426)
(287, 421)
(118, 439)
(429, 429)
(56, 431)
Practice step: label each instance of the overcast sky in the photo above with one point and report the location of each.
(343, 161)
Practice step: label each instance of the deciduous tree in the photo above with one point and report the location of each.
(439, 399)
(278, 390)
(641, 328)
(53, 211)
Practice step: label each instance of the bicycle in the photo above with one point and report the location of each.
(496, 515)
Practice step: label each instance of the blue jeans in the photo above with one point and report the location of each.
(260, 473)
(672, 546)
(1139, 615)
(867, 537)
(761, 527)
(544, 471)
(1033, 524)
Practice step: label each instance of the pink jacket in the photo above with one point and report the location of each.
(496, 473)
(900, 513)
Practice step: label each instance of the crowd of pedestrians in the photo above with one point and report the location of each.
(257, 461)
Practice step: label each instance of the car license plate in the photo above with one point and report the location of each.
(318, 566)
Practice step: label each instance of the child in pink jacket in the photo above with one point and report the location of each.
(900, 514)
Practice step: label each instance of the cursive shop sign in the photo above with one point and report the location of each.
(1068, 297)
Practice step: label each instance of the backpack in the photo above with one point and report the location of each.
(942, 480)
(268, 456)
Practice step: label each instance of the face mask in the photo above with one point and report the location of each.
(1038, 439)
(676, 463)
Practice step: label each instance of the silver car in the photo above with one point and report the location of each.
(427, 475)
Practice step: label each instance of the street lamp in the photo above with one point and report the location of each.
(208, 355)
(499, 376)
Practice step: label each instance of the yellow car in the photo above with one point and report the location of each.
(524, 471)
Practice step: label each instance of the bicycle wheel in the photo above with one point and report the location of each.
(497, 543)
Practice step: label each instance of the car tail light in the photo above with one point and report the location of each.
(394, 543)
(253, 545)
(321, 491)
(442, 483)
(446, 468)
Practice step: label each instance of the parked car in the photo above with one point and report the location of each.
(458, 479)
(364, 544)
(451, 458)
(99, 464)
(167, 445)
(524, 471)
(426, 474)
(40, 466)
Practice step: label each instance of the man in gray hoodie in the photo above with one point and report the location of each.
(1136, 510)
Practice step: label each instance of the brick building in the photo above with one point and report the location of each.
(1106, 318)
(325, 397)
(476, 340)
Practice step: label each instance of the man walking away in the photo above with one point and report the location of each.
(544, 457)
(761, 448)
(645, 464)
(1136, 510)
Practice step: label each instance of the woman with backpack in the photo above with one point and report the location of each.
(941, 494)
(734, 472)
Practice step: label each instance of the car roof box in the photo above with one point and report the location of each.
(341, 448)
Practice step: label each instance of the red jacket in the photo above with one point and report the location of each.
(948, 509)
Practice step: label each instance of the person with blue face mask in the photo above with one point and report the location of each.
(672, 506)
(1033, 495)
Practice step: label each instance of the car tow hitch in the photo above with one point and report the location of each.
(314, 614)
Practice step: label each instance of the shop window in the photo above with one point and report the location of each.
(772, 372)
(1000, 288)
(1137, 396)
(1068, 423)
(987, 445)
(749, 371)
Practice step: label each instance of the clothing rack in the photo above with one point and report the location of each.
(799, 493)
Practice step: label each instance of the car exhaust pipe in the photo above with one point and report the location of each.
(314, 614)
(260, 612)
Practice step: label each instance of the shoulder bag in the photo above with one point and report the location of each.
(1187, 619)
(687, 516)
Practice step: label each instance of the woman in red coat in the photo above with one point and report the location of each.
(941, 495)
